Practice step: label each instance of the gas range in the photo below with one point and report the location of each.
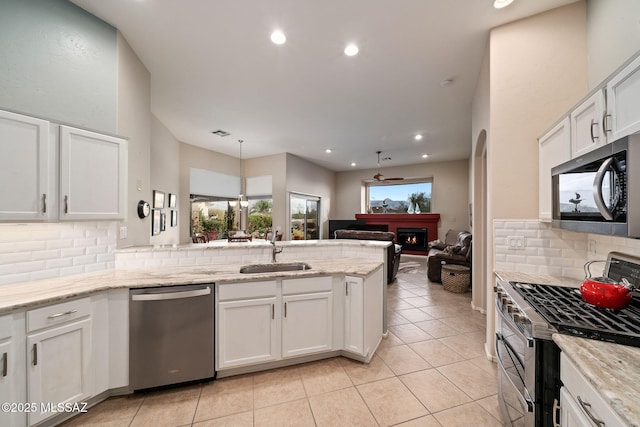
(565, 310)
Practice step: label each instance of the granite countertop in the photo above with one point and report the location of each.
(30, 294)
(613, 369)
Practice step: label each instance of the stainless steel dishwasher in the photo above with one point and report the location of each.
(170, 335)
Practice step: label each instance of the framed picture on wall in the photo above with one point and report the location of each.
(163, 222)
(155, 222)
(158, 199)
(172, 200)
(174, 218)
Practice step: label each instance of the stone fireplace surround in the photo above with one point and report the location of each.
(395, 221)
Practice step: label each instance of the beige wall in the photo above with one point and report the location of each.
(165, 176)
(537, 72)
(134, 122)
(450, 192)
(613, 36)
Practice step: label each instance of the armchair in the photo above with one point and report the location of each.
(456, 249)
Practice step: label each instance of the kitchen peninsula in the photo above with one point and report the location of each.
(335, 307)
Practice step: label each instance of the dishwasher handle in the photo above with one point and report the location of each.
(171, 295)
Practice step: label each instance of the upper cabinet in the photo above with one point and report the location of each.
(623, 106)
(586, 125)
(554, 150)
(93, 172)
(53, 172)
(25, 171)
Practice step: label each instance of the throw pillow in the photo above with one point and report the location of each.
(437, 244)
(452, 250)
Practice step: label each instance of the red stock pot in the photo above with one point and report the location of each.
(605, 292)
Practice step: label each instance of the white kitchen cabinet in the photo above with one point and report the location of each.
(586, 125)
(623, 108)
(580, 403)
(363, 314)
(13, 387)
(25, 168)
(59, 356)
(307, 316)
(554, 149)
(93, 175)
(248, 321)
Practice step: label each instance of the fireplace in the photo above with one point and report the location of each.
(412, 239)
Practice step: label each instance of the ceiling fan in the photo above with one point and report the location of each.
(381, 178)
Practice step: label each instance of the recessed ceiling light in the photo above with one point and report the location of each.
(351, 50)
(328, 150)
(278, 37)
(424, 156)
(418, 137)
(353, 163)
(499, 4)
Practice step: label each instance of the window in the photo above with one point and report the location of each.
(406, 197)
(305, 217)
(214, 217)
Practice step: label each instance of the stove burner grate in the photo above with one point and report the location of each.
(565, 309)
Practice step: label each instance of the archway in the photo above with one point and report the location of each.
(479, 224)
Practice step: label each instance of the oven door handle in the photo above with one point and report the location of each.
(511, 351)
(526, 399)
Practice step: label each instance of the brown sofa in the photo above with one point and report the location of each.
(456, 249)
(393, 252)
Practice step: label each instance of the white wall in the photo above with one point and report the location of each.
(58, 62)
(613, 36)
(450, 192)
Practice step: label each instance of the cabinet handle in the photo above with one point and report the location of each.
(605, 123)
(4, 364)
(66, 204)
(44, 203)
(586, 407)
(593, 137)
(285, 309)
(273, 311)
(66, 313)
(35, 354)
(556, 413)
(346, 288)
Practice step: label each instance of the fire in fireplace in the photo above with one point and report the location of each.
(413, 239)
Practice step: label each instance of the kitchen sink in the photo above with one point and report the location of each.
(272, 268)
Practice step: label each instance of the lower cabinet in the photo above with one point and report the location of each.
(580, 403)
(13, 388)
(363, 314)
(59, 356)
(307, 316)
(247, 332)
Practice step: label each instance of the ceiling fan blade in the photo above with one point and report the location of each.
(393, 179)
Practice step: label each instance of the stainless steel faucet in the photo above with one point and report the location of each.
(276, 250)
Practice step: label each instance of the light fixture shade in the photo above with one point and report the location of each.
(244, 203)
(232, 203)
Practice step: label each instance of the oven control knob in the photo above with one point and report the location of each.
(519, 318)
(512, 309)
(505, 300)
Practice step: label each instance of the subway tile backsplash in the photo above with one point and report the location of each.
(552, 251)
(42, 251)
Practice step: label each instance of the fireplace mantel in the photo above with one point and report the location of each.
(395, 221)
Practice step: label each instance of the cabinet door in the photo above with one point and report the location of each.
(570, 413)
(554, 149)
(307, 323)
(247, 332)
(93, 174)
(59, 366)
(12, 368)
(623, 109)
(586, 125)
(24, 167)
(354, 315)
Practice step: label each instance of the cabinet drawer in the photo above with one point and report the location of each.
(305, 285)
(583, 391)
(5, 326)
(57, 314)
(246, 290)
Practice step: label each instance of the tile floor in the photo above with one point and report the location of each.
(431, 370)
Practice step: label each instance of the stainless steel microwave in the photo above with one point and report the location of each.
(599, 192)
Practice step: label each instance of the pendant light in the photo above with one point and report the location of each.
(241, 200)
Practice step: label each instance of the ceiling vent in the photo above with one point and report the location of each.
(220, 132)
